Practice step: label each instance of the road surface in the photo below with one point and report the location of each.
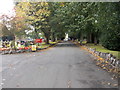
(63, 66)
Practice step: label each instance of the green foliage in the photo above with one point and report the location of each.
(110, 25)
(5, 31)
(36, 15)
(103, 49)
(98, 22)
(110, 40)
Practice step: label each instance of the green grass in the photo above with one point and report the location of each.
(44, 46)
(52, 42)
(102, 49)
(43, 43)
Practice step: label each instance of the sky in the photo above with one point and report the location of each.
(6, 7)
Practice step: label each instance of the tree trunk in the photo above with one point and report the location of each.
(13, 42)
(47, 39)
(53, 37)
(37, 36)
(90, 38)
(81, 37)
(95, 40)
(56, 39)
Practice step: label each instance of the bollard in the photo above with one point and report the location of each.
(33, 48)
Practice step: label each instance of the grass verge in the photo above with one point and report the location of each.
(43, 45)
(102, 49)
(52, 42)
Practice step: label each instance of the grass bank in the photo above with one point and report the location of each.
(102, 49)
(44, 45)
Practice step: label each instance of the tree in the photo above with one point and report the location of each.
(110, 25)
(36, 15)
(95, 21)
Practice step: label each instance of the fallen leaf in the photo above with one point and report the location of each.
(109, 83)
(112, 78)
(106, 62)
(103, 82)
(104, 68)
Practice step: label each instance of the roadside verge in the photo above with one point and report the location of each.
(104, 60)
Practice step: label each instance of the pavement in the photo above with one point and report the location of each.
(62, 66)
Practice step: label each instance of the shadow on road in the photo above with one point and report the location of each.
(66, 44)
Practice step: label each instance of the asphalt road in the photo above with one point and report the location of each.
(63, 66)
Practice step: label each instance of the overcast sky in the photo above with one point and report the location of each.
(6, 7)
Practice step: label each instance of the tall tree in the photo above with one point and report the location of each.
(37, 15)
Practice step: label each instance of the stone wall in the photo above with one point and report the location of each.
(106, 60)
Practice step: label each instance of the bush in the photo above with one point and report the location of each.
(111, 41)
